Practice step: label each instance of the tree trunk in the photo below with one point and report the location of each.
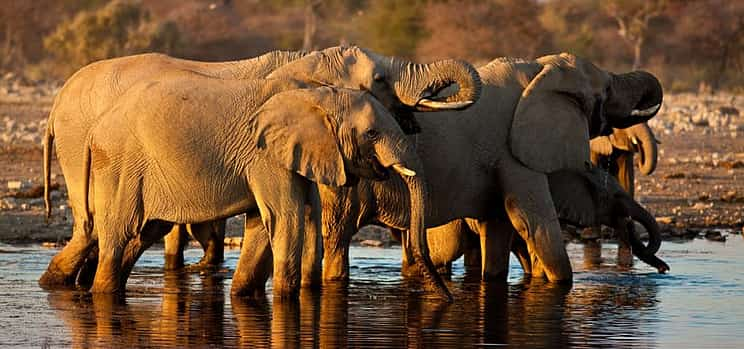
(637, 54)
(310, 24)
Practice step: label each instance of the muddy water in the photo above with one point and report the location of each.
(699, 304)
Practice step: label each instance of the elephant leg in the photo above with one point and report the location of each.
(111, 244)
(211, 236)
(175, 241)
(255, 264)
(63, 268)
(531, 210)
(624, 254)
(340, 210)
(152, 232)
(472, 256)
(495, 242)
(592, 252)
(312, 251)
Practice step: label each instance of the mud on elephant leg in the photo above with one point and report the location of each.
(255, 264)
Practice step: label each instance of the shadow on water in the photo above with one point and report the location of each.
(607, 306)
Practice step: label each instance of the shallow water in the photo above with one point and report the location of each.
(699, 304)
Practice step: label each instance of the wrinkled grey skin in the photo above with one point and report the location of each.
(615, 153)
(401, 86)
(582, 198)
(250, 155)
(533, 118)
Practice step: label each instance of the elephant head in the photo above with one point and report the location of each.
(345, 133)
(401, 86)
(569, 102)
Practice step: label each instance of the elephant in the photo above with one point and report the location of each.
(167, 153)
(615, 153)
(533, 118)
(582, 198)
(401, 86)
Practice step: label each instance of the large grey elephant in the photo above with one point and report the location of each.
(534, 118)
(616, 152)
(168, 153)
(401, 86)
(582, 198)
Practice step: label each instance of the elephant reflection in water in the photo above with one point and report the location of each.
(188, 316)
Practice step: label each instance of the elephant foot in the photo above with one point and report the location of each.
(55, 278)
(173, 261)
(284, 289)
(110, 286)
(500, 276)
(202, 267)
(411, 271)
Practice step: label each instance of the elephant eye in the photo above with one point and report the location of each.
(372, 134)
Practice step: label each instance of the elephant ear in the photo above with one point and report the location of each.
(297, 133)
(573, 198)
(550, 128)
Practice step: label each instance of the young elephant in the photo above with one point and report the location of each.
(169, 153)
(582, 198)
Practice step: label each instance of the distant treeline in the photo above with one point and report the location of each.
(690, 45)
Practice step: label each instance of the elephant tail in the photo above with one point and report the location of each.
(48, 144)
(88, 222)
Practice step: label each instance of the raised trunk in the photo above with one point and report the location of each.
(417, 85)
(634, 97)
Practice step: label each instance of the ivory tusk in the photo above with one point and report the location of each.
(404, 171)
(646, 112)
(443, 105)
(634, 140)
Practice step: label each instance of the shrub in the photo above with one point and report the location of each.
(120, 28)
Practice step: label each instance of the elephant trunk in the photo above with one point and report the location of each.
(400, 155)
(647, 148)
(418, 85)
(644, 253)
(635, 97)
(417, 236)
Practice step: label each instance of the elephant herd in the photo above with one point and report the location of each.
(313, 145)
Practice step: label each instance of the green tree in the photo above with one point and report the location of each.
(391, 27)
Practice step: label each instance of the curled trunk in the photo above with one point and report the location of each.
(644, 253)
(633, 98)
(647, 148)
(417, 85)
